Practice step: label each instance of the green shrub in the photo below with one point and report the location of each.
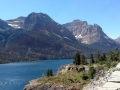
(91, 72)
(84, 76)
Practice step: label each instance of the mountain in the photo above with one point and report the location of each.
(16, 23)
(41, 22)
(89, 34)
(118, 40)
(4, 25)
(40, 37)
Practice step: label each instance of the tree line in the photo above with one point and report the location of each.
(101, 58)
(81, 60)
(108, 60)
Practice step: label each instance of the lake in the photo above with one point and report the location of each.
(14, 76)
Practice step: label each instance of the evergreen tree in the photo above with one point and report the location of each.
(49, 72)
(91, 72)
(91, 59)
(110, 55)
(83, 59)
(116, 54)
(100, 59)
(104, 57)
(117, 51)
(77, 59)
(98, 56)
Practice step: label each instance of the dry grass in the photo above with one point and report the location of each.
(67, 79)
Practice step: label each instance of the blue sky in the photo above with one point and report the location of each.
(105, 13)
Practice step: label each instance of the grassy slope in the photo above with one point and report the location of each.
(71, 78)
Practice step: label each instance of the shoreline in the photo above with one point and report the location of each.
(34, 61)
(95, 84)
(38, 84)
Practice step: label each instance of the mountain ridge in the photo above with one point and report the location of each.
(38, 42)
(40, 21)
(40, 37)
(88, 34)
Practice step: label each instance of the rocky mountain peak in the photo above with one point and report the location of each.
(39, 16)
(37, 21)
(79, 22)
(88, 34)
(42, 22)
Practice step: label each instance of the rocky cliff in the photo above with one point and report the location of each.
(88, 34)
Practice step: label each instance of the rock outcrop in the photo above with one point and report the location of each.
(67, 67)
(63, 69)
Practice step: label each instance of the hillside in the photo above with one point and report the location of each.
(38, 36)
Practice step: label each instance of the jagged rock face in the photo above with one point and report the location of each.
(4, 25)
(118, 40)
(40, 21)
(88, 34)
(16, 23)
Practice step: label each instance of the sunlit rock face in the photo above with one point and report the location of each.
(88, 34)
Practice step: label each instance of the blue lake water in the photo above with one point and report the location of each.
(14, 76)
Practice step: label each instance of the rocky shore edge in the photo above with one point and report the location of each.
(34, 85)
(107, 80)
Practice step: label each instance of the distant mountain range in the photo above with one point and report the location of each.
(37, 36)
